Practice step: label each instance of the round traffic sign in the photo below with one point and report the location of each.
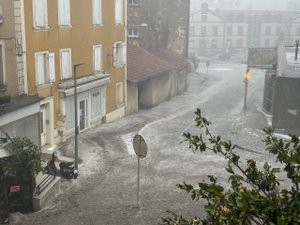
(139, 146)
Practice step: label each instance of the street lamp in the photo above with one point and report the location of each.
(76, 119)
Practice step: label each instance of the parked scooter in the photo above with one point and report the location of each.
(66, 169)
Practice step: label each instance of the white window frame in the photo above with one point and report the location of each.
(133, 32)
(119, 12)
(119, 94)
(65, 66)
(97, 66)
(49, 68)
(119, 54)
(64, 13)
(43, 14)
(97, 12)
(133, 2)
(3, 82)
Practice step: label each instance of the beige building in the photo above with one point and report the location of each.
(19, 113)
(61, 34)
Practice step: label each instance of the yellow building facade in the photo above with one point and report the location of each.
(61, 34)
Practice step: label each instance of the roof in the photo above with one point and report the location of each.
(143, 65)
(170, 57)
(18, 102)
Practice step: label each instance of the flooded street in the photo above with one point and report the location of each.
(105, 192)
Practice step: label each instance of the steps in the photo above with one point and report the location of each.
(40, 199)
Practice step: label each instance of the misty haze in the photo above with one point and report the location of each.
(105, 89)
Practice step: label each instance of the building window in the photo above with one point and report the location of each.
(65, 64)
(40, 15)
(214, 44)
(298, 31)
(64, 17)
(133, 32)
(268, 30)
(229, 30)
(119, 54)
(44, 68)
(203, 31)
(97, 56)
(119, 11)
(203, 17)
(192, 44)
(202, 44)
(240, 30)
(2, 64)
(119, 94)
(240, 43)
(267, 43)
(133, 2)
(215, 30)
(1, 17)
(97, 12)
(192, 30)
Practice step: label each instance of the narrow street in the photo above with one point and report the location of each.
(105, 192)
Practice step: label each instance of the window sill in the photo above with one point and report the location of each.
(41, 86)
(97, 25)
(41, 28)
(133, 37)
(65, 27)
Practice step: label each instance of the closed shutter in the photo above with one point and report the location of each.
(64, 12)
(65, 59)
(97, 58)
(115, 55)
(118, 11)
(40, 68)
(96, 12)
(124, 51)
(51, 67)
(40, 13)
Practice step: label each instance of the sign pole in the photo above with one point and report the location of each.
(245, 96)
(247, 78)
(140, 148)
(138, 183)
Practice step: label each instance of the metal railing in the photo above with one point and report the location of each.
(44, 184)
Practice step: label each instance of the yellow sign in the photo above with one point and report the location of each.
(248, 76)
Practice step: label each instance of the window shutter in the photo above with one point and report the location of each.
(96, 11)
(118, 11)
(65, 64)
(64, 12)
(124, 51)
(97, 58)
(115, 55)
(40, 68)
(51, 67)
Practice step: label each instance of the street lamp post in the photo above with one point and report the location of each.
(76, 115)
